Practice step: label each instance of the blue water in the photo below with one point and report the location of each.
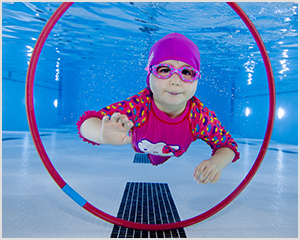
(97, 52)
(96, 55)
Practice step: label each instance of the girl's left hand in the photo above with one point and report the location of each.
(208, 171)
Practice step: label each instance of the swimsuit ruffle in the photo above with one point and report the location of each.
(85, 116)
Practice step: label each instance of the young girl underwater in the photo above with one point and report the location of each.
(163, 119)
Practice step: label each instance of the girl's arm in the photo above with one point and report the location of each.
(209, 171)
(207, 127)
(111, 124)
(112, 131)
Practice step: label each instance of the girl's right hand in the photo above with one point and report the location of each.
(115, 130)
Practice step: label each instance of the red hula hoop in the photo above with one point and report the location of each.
(90, 208)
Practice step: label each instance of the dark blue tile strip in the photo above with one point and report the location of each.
(272, 149)
(18, 138)
(287, 151)
(141, 158)
(245, 143)
(10, 138)
(282, 150)
(149, 203)
(45, 134)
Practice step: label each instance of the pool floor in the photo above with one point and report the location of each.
(33, 206)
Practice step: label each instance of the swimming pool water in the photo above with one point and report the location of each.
(97, 52)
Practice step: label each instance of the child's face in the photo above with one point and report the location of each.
(172, 92)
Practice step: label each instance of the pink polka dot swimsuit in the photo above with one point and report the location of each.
(162, 137)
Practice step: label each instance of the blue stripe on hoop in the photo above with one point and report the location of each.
(74, 195)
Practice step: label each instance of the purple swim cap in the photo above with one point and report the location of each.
(174, 46)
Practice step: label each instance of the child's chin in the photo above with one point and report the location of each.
(175, 102)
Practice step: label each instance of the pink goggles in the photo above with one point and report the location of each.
(164, 71)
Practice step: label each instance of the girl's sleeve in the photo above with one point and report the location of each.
(134, 108)
(208, 128)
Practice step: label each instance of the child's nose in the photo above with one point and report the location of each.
(175, 79)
